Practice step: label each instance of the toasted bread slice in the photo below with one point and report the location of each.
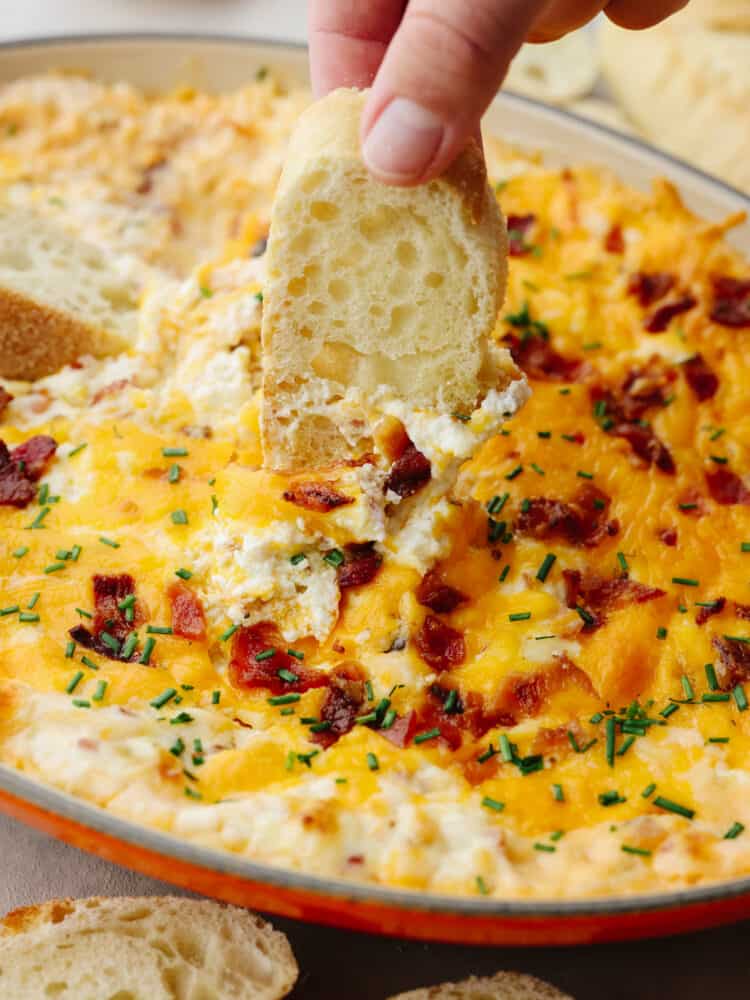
(60, 298)
(158, 948)
(502, 986)
(371, 287)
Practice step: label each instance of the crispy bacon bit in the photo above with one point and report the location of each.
(35, 454)
(439, 645)
(663, 316)
(642, 389)
(600, 595)
(553, 742)
(741, 610)
(342, 704)
(668, 536)
(614, 241)
(109, 390)
(649, 288)
(538, 359)
(734, 661)
(518, 228)
(726, 487)
(708, 611)
(646, 445)
(700, 377)
(691, 503)
(402, 731)
(438, 596)
(5, 399)
(582, 521)
(109, 591)
(246, 671)
(320, 497)
(200, 432)
(731, 302)
(467, 715)
(188, 618)
(81, 635)
(361, 565)
(409, 473)
(15, 489)
(525, 695)
(146, 182)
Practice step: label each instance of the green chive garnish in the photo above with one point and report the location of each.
(648, 791)
(29, 618)
(179, 517)
(192, 793)
(714, 696)
(584, 475)
(229, 633)
(609, 728)
(20, 553)
(181, 719)
(482, 887)
(148, 648)
(78, 449)
(70, 648)
(493, 804)
(673, 807)
(506, 749)
(101, 689)
(669, 710)
(89, 663)
(497, 503)
(110, 642)
(544, 570)
(158, 630)
(734, 831)
(84, 614)
(713, 683)
(161, 699)
(661, 632)
(37, 522)
(286, 675)
(296, 653)
(640, 851)
(81, 703)
(740, 697)
(744, 547)
(128, 647)
(284, 699)
(265, 654)
(514, 473)
(175, 452)
(297, 558)
(372, 762)
(520, 616)
(430, 734)
(11, 609)
(557, 793)
(74, 681)
(334, 558)
(687, 687)
(503, 576)
(215, 697)
(686, 581)
(612, 798)
(173, 476)
(184, 574)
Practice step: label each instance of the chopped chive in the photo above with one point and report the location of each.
(148, 648)
(622, 561)
(430, 734)
(744, 547)
(37, 522)
(265, 654)
(214, 503)
(158, 630)
(544, 570)
(81, 703)
(34, 598)
(173, 476)
(101, 688)
(388, 719)
(78, 449)
(585, 616)
(109, 541)
(43, 494)
(284, 699)
(364, 720)
(535, 467)
(609, 728)
(544, 434)
(229, 633)
(320, 727)
(184, 574)
(714, 696)
(661, 632)
(287, 711)
(519, 616)
(74, 681)
(161, 699)
(687, 506)
(110, 642)
(182, 718)
(547, 848)
(584, 475)
(557, 793)
(177, 747)
(596, 718)
(503, 576)
(640, 851)
(488, 754)
(738, 638)
(11, 609)
(28, 618)
(719, 459)
(70, 648)
(296, 653)
(669, 710)
(297, 558)
(740, 697)
(687, 687)
(648, 791)
(482, 887)
(497, 503)
(20, 553)
(514, 473)
(626, 745)
(334, 558)
(62, 555)
(286, 675)
(506, 749)
(686, 581)
(713, 682)
(179, 517)
(175, 452)
(674, 807)
(215, 697)
(126, 602)
(612, 798)
(192, 793)
(718, 739)
(493, 804)
(128, 647)
(89, 663)
(734, 831)
(557, 835)
(83, 614)
(372, 762)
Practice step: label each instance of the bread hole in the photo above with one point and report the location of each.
(472, 306)
(16, 259)
(406, 254)
(401, 317)
(313, 181)
(338, 289)
(434, 280)
(398, 284)
(163, 946)
(316, 308)
(55, 989)
(375, 226)
(118, 298)
(336, 361)
(323, 211)
(302, 241)
(189, 949)
(305, 331)
(297, 286)
(121, 995)
(376, 311)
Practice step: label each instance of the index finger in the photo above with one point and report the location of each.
(348, 39)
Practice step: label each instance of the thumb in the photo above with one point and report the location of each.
(442, 70)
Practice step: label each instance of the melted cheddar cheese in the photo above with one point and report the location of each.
(527, 684)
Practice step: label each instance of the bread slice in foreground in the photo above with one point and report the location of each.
(154, 948)
(60, 298)
(502, 986)
(372, 286)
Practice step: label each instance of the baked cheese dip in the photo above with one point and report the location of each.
(531, 681)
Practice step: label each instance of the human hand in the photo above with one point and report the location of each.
(435, 65)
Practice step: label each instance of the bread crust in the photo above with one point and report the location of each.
(501, 986)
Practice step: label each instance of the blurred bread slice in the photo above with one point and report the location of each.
(373, 286)
(159, 948)
(503, 986)
(686, 86)
(60, 298)
(556, 72)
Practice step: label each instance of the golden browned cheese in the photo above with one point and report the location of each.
(473, 715)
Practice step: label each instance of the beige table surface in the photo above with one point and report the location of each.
(340, 965)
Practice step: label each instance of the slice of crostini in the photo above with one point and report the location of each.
(502, 986)
(152, 948)
(374, 290)
(60, 298)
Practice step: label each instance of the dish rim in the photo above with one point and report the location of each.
(56, 802)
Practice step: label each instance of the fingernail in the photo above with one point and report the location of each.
(403, 141)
